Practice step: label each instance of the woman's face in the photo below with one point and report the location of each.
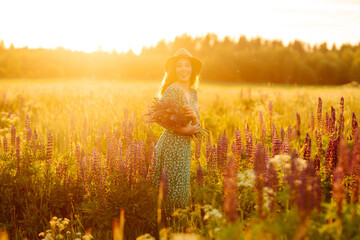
(183, 69)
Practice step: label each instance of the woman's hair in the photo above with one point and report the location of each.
(170, 78)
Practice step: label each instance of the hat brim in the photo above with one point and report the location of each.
(195, 63)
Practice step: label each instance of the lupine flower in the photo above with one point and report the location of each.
(259, 169)
(5, 142)
(319, 143)
(197, 150)
(249, 146)
(263, 135)
(282, 134)
(317, 163)
(270, 116)
(327, 123)
(49, 149)
(276, 145)
(71, 134)
(17, 152)
(13, 137)
(319, 114)
(307, 147)
(338, 191)
(261, 120)
(354, 124)
(230, 192)
(199, 176)
(331, 157)
(332, 120)
(309, 192)
(152, 162)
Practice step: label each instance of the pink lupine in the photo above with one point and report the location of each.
(276, 146)
(230, 192)
(49, 149)
(319, 115)
(259, 169)
(354, 124)
(6, 145)
(307, 148)
(199, 176)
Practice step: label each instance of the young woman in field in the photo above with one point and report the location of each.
(173, 150)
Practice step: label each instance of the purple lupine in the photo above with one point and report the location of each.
(13, 138)
(317, 163)
(298, 123)
(307, 148)
(270, 117)
(259, 169)
(199, 176)
(6, 145)
(225, 146)
(238, 143)
(282, 134)
(274, 132)
(263, 135)
(17, 152)
(249, 146)
(309, 192)
(354, 124)
(197, 150)
(338, 191)
(344, 157)
(319, 149)
(319, 115)
(261, 120)
(143, 165)
(272, 182)
(327, 123)
(276, 145)
(152, 162)
(49, 150)
(292, 177)
(331, 157)
(110, 158)
(230, 192)
(332, 120)
(285, 147)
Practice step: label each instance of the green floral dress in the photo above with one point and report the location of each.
(173, 153)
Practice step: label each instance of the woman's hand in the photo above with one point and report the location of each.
(189, 112)
(189, 129)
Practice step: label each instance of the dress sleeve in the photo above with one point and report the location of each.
(170, 93)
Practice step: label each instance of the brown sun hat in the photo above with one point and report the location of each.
(183, 53)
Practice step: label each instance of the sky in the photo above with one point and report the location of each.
(122, 25)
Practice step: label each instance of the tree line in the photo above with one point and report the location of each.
(244, 60)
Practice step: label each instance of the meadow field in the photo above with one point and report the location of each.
(281, 162)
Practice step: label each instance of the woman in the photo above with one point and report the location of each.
(173, 150)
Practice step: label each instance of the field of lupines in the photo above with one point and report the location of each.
(77, 157)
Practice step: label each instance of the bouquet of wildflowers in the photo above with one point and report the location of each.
(167, 114)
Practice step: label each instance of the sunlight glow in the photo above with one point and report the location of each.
(123, 25)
